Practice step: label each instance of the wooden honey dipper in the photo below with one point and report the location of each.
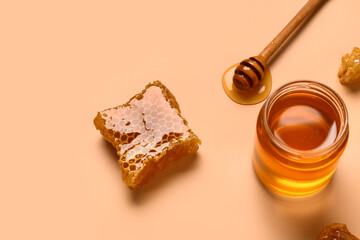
(251, 71)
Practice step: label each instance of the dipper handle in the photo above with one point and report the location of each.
(251, 71)
(271, 48)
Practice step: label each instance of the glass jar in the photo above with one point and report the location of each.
(302, 130)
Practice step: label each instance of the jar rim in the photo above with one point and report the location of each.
(293, 87)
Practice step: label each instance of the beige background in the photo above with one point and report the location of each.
(62, 61)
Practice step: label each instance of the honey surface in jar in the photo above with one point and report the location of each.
(301, 132)
(148, 132)
(304, 122)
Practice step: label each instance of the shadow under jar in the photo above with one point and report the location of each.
(302, 129)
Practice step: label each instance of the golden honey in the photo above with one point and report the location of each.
(254, 96)
(302, 129)
(336, 231)
(349, 71)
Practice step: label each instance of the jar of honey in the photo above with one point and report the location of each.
(302, 130)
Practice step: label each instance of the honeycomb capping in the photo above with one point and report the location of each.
(349, 71)
(148, 133)
(336, 231)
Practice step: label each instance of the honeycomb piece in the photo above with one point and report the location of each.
(148, 132)
(336, 231)
(349, 71)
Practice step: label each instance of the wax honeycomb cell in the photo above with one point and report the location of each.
(148, 132)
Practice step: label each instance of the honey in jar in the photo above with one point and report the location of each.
(302, 129)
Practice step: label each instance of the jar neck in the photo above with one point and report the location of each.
(326, 94)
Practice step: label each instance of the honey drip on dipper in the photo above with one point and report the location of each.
(250, 81)
(259, 93)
